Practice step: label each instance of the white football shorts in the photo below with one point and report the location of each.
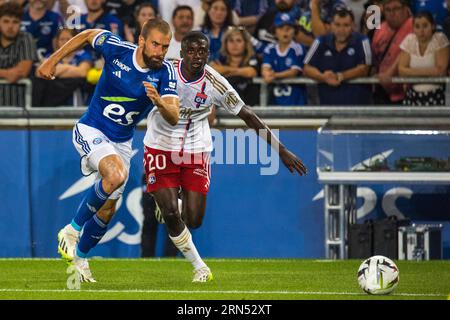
(93, 146)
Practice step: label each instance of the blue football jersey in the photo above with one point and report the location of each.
(286, 94)
(119, 101)
(106, 21)
(43, 30)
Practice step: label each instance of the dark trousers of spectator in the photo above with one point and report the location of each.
(53, 93)
(381, 97)
(150, 230)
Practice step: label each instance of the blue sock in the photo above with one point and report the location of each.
(95, 198)
(93, 231)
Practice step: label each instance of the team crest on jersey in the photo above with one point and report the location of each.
(288, 62)
(97, 141)
(351, 51)
(200, 98)
(45, 30)
(152, 178)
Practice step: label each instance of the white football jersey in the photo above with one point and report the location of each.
(192, 133)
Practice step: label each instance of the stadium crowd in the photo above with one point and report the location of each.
(330, 41)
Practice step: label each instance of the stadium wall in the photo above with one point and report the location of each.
(248, 214)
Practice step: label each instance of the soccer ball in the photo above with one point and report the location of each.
(378, 275)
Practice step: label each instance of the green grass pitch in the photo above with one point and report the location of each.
(234, 279)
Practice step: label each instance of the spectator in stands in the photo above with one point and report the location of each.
(284, 60)
(264, 27)
(369, 32)
(438, 8)
(425, 53)
(238, 64)
(386, 50)
(249, 12)
(42, 24)
(217, 19)
(143, 12)
(125, 10)
(166, 9)
(97, 18)
(182, 22)
(446, 24)
(70, 76)
(321, 15)
(68, 9)
(337, 57)
(358, 8)
(304, 33)
(17, 53)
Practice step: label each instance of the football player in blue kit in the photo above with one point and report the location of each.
(135, 79)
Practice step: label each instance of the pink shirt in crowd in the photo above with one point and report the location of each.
(380, 40)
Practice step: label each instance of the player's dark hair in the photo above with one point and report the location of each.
(11, 9)
(158, 24)
(193, 36)
(180, 8)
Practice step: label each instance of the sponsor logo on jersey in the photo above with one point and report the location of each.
(351, 51)
(172, 85)
(118, 74)
(97, 141)
(328, 53)
(185, 113)
(121, 65)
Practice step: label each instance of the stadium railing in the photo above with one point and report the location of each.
(28, 92)
(365, 80)
(309, 116)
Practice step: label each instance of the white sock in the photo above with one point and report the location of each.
(185, 244)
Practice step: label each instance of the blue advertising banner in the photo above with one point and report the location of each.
(248, 214)
(15, 209)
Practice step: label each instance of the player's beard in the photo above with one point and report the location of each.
(152, 62)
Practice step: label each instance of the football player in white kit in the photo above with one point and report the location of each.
(178, 156)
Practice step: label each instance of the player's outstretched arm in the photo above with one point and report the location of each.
(290, 160)
(169, 106)
(47, 69)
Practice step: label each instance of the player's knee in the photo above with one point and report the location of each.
(170, 213)
(194, 223)
(115, 179)
(192, 220)
(171, 217)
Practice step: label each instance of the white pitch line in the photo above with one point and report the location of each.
(274, 260)
(217, 291)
